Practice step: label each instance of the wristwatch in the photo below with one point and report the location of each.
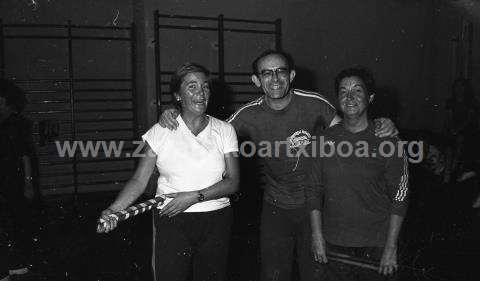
(201, 197)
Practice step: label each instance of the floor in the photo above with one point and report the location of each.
(440, 240)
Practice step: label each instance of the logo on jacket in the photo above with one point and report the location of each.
(299, 139)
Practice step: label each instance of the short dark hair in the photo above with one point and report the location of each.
(13, 95)
(182, 71)
(358, 71)
(266, 53)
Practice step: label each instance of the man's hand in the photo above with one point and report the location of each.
(385, 127)
(181, 201)
(318, 249)
(168, 119)
(388, 263)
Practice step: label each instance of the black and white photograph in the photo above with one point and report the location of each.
(255, 140)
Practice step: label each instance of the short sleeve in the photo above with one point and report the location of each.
(155, 137)
(230, 142)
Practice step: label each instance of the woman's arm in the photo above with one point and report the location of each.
(396, 175)
(313, 194)
(228, 185)
(133, 188)
(138, 182)
(318, 242)
(389, 263)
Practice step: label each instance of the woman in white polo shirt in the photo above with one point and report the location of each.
(198, 167)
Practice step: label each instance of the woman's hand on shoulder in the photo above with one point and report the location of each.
(181, 201)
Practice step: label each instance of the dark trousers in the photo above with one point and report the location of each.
(192, 244)
(15, 228)
(338, 271)
(284, 237)
(3, 261)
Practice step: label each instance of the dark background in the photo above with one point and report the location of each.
(415, 48)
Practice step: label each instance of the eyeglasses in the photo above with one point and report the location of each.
(279, 72)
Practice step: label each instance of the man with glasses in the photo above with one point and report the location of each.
(284, 119)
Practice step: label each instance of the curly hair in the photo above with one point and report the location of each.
(359, 71)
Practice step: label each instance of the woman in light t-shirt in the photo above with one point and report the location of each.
(198, 168)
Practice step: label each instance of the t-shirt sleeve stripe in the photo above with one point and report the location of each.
(325, 108)
(313, 95)
(403, 185)
(252, 103)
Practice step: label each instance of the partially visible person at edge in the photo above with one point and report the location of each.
(198, 166)
(16, 187)
(364, 196)
(287, 116)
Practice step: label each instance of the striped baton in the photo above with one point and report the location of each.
(133, 210)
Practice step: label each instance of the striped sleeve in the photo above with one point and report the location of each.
(236, 118)
(323, 107)
(397, 182)
(314, 95)
(235, 115)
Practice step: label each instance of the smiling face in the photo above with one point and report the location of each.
(353, 97)
(273, 76)
(194, 93)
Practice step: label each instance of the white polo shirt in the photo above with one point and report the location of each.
(187, 162)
